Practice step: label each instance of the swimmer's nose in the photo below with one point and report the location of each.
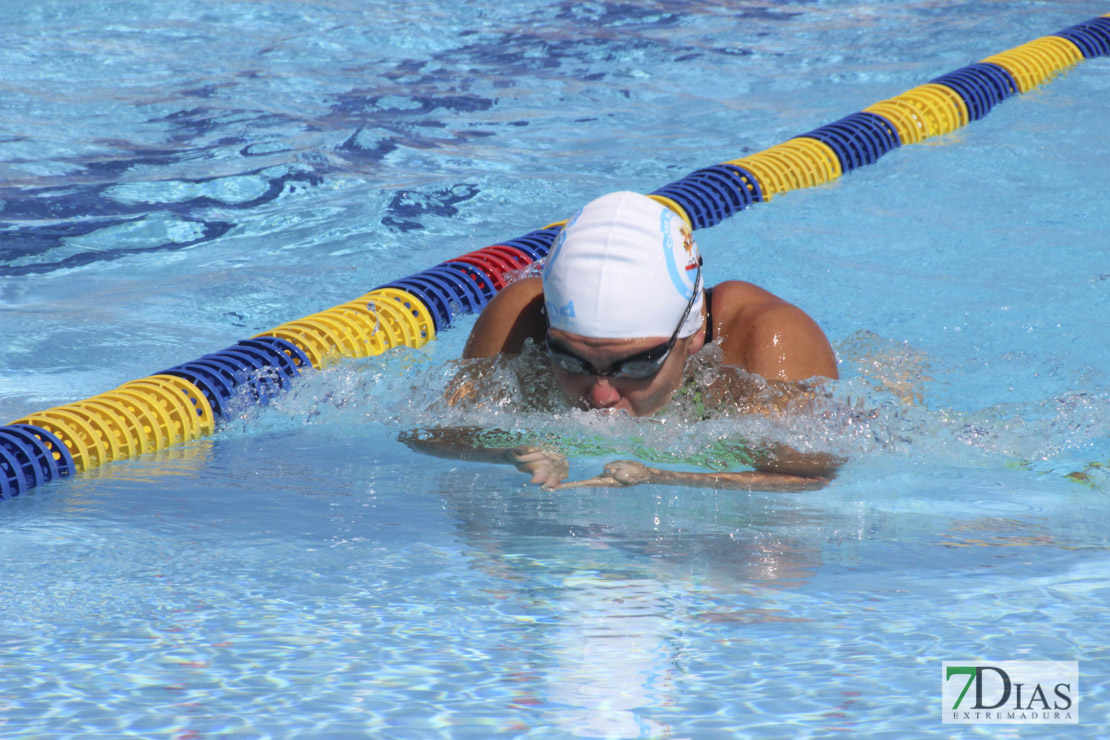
(602, 394)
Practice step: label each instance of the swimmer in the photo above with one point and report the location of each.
(620, 308)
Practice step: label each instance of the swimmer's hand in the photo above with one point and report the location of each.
(625, 473)
(548, 467)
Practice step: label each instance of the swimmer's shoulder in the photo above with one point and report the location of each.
(736, 304)
(513, 316)
(764, 334)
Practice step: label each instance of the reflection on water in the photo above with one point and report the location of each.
(607, 591)
(613, 653)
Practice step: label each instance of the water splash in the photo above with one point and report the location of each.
(881, 410)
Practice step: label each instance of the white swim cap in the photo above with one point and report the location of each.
(624, 267)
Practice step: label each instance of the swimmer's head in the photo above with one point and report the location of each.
(625, 266)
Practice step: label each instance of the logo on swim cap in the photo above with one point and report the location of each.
(679, 263)
(567, 310)
(692, 258)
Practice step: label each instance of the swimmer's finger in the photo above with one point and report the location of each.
(546, 477)
(547, 468)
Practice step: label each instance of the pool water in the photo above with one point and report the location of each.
(175, 177)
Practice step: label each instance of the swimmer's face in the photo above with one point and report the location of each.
(639, 397)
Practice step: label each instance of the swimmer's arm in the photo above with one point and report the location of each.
(625, 473)
(783, 460)
(748, 480)
(548, 467)
(777, 468)
(744, 480)
(453, 443)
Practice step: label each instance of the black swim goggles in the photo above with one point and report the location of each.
(640, 366)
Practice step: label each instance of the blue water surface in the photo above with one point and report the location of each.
(177, 176)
